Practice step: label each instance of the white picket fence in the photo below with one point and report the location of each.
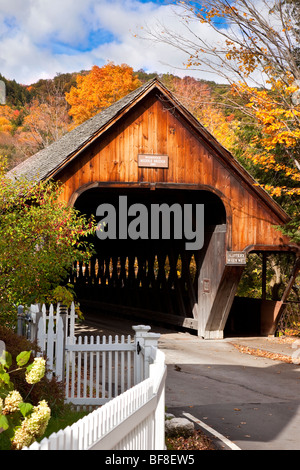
(135, 420)
(100, 368)
(32, 318)
(125, 375)
(55, 329)
(52, 328)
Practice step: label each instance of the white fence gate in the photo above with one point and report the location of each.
(100, 368)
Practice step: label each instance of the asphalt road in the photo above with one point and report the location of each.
(251, 401)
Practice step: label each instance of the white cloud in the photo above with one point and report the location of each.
(40, 38)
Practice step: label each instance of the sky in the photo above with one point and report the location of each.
(40, 38)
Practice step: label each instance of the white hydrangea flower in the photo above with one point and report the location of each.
(38, 420)
(37, 372)
(33, 426)
(21, 439)
(12, 402)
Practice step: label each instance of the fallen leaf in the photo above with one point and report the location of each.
(262, 353)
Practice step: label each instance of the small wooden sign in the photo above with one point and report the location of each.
(236, 258)
(153, 161)
(206, 285)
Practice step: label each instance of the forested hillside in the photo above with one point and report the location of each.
(36, 115)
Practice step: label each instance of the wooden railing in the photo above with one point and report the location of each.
(165, 282)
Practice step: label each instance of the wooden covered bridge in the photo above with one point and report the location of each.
(149, 149)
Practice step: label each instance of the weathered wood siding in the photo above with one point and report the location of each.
(154, 127)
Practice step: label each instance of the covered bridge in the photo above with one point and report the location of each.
(148, 149)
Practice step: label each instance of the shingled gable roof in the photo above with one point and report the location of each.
(47, 162)
(43, 164)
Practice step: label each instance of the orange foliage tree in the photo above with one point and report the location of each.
(100, 88)
(255, 47)
(6, 117)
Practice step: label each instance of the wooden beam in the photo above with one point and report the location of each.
(223, 302)
(264, 276)
(294, 274)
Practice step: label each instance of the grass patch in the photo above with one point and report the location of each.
(66, 417)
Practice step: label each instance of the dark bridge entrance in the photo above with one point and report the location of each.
(154, 279)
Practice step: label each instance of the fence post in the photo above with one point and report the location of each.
(35, 314)
(139, 339)
(151, 345)
(150, 341)
(61, 338)
(158, 372)
(20, 320)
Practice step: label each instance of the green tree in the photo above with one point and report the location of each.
(40, 238)
(16, 95)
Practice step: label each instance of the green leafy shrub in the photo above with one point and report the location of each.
(21, 423)
(40, 239)
(47, 389)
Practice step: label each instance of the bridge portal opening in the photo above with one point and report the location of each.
(147, 279)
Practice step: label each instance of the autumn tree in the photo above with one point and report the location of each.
(6, 117)
(46, 119)
(100, 88)
(9, 121)
(254, 47)
(40, 239)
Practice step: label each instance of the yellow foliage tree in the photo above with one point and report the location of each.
(100, 88)
(255, 47)
(252, 44)
(279, 137)
(5, 125)
(6, 116)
